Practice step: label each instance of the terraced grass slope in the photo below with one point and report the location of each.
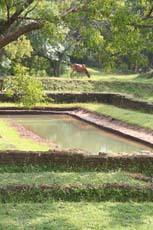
(67, 178)
(61, 199)
(40, 207)
(133, 85)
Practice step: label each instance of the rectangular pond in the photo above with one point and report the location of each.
(68, 132)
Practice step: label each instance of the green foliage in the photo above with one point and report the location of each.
(95, 39)
(19, 49)
(32, 92)
(16, 52)
(28, 90)
(113, 31)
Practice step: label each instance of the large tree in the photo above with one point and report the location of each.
(132, 32)
(19, 17)
(13, 20)
(108, 28)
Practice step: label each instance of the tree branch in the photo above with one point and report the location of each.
(32, 8)
(22, 30)
(8, 10)
(74, 9)
(143, 26)
(30, 18)
(14, 17)
(149, 15)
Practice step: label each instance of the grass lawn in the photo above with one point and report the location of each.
(97, 74)
(132, 85)
(76, 216)
(65, 178)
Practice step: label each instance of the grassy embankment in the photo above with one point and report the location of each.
(131, 85)
(64, 178)
(32, 210)
(36, 214)
(129, 116)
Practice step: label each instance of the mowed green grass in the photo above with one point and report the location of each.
(98, 74)
(76, 216)
(138, 90)
(129, 116)
(66, 178)
(132, 85)
(11, 139)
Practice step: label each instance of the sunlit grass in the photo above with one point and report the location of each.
(131, 85)
(129, 116)
(77, 216)
(98, 74)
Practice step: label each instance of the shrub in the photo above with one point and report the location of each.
(27, 90)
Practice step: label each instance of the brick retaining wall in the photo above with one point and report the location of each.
(136, 163)
(108, 98)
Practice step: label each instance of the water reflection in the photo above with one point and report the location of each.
(72, 133)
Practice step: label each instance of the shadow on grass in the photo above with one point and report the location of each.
(33, 216)
(130, 215)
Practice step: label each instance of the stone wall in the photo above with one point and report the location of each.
(119, 100)
(108, 98)
(136, 163)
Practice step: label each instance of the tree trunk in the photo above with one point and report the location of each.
(57, 68)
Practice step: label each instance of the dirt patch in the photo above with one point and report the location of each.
(27, 134)
(139, 176)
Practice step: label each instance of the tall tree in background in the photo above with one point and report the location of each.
(19, 17)
(114, 30)
(132, 32)
(15, 20)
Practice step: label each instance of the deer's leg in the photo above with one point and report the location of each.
(71, 73)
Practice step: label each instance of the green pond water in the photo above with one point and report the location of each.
(68, 132)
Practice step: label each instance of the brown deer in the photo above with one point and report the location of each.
(79, 68)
